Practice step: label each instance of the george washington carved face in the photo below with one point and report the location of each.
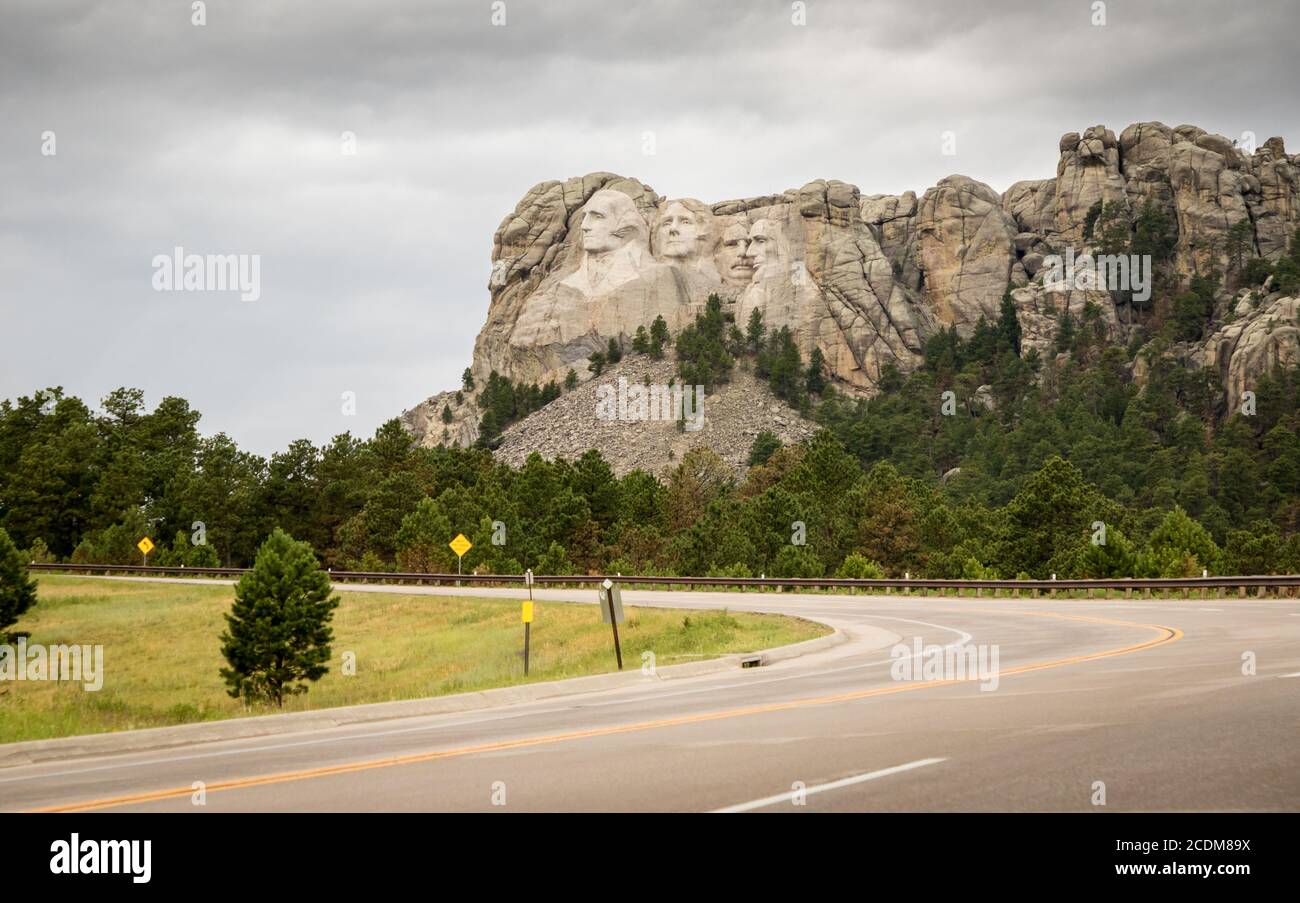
(609, 221)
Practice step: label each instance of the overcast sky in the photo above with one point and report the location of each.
(226, 139)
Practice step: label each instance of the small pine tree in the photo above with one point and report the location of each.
(659, 337)
(17, 590)
(1065, 333)
(765, 445)
(1090, 220)
(446, 413)
(614, 352)
(816, 377)
(1008, 332)
(641, 341)
(278, 631)
(467, 380)
(571, 380)
(754, 331)
(596, 363)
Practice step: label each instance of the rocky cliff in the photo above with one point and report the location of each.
(868, 280)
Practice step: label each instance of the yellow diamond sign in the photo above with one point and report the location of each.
(145, 545)
(460, 545)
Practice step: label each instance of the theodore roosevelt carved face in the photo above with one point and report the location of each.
(732, 262)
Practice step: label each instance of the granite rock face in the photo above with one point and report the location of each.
(867, 280)
(1257, 341)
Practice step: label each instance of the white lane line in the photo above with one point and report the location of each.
(1211, 609)
(833, 785)
(962, 639)
(1297, 674)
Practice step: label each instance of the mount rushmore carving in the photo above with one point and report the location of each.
(868, 280)
(628, 256)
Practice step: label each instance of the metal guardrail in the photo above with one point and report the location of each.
(1271, 581)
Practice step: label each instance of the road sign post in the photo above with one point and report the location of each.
(460, 545)
(528, 616)
(615, 615)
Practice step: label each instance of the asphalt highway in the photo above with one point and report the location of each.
(1119, 705)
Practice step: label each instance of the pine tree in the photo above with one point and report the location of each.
(1065, 333)
(702, 356)
(278, 631)
(1008, 324)
(467, 380)
(659, 337)
(816, 377)
(17, 590)
(765, 445)
(446, 413)
(571, 380)
(754, 331)
(641, 341)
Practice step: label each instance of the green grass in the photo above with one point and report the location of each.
(162, 651)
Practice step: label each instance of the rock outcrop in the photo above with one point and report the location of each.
(866, 280)
(1258, 340)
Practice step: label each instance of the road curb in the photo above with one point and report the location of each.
(32, 752)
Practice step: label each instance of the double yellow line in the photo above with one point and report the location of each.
(1163, 635)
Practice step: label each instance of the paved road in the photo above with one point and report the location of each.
(1147, 698)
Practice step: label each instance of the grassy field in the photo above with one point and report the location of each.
(162, 651)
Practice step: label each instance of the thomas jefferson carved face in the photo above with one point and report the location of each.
(731, 261)
(681, 231)
(609, 221)
(764, 252)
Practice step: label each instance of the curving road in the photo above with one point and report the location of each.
(1147, 698)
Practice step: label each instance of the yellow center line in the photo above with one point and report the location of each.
(1164, 635)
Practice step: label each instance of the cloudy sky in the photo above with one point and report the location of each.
(226, 138)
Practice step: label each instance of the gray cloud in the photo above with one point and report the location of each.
(226, 139)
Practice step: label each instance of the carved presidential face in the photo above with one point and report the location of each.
(764, 253)
(609, 221)
(680, 231)
(732, 262)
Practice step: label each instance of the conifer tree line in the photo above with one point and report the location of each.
(1040, 456)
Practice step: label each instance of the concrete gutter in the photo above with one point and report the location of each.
(120, 742)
